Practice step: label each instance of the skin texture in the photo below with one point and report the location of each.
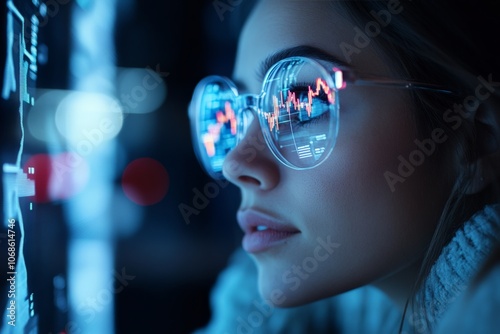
(381, 235)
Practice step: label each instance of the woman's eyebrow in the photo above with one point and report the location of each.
(298, 51)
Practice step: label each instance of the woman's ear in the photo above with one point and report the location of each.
(487, 128)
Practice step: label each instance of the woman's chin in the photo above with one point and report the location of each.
(281, 293)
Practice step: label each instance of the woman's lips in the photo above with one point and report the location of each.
(262, 231)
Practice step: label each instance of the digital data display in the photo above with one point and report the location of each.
(21, 21)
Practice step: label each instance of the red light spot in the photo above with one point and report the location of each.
(43, 169)
(145, 181)
(57, 177)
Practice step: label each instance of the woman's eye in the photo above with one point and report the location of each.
(308, 105)
(304, 118)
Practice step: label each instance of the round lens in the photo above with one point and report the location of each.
(214, 122)
(299, 112)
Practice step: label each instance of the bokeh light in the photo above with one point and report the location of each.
(87, 120)
(145, 181)
(41, 120)
(57, 176)
(140, 90)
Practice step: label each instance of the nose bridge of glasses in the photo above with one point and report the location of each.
(247, 101)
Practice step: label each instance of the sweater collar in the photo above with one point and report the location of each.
(457, 264)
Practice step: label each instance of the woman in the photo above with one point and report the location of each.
(366, 150)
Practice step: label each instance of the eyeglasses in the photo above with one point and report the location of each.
(297, 109)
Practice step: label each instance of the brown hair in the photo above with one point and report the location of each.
(450, 43)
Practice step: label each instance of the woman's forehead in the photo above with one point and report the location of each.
(279, 25)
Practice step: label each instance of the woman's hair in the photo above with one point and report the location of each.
(452, 44)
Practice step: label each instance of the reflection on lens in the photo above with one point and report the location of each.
(299, 112)
(217, 126)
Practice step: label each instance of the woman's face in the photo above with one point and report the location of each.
(339, 225)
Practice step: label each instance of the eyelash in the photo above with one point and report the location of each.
(309, 122)
(302, 87)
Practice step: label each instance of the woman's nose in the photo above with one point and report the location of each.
(251, 164)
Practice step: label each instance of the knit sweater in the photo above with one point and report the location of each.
(460, 260)
(450, 305)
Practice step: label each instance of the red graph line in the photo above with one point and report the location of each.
(292, 100)
(228, 116)
(213, 134)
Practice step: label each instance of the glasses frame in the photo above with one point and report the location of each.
(341, 77)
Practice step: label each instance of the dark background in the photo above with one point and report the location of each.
(175, 264)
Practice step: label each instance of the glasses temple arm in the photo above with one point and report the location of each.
(404, 84)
